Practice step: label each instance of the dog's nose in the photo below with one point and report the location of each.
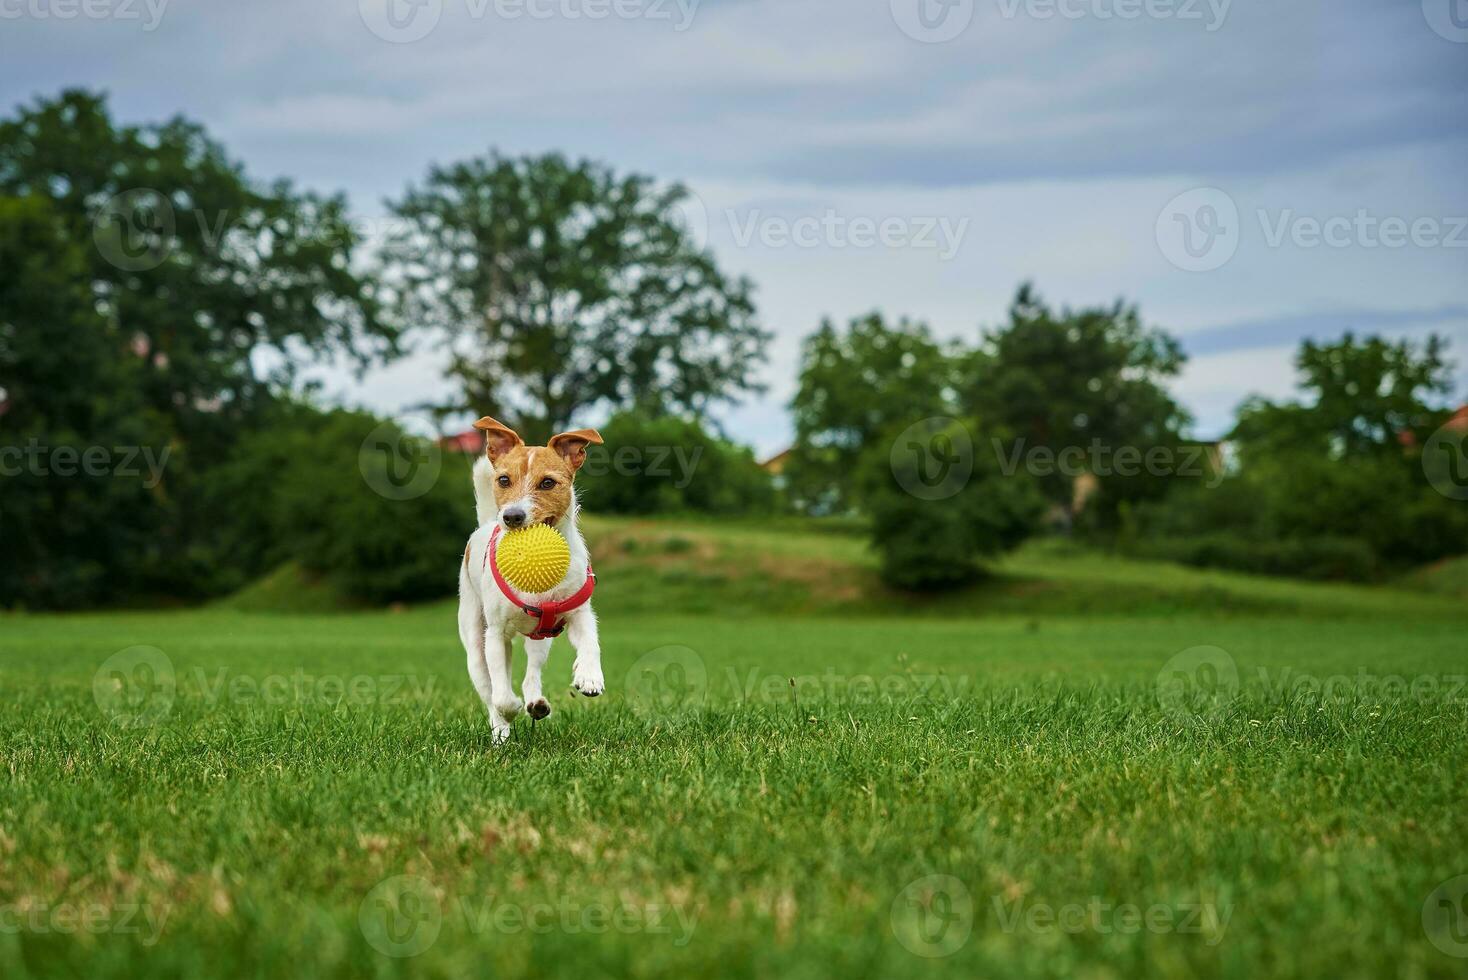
(515, 517)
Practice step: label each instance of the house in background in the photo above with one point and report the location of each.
(470, 443)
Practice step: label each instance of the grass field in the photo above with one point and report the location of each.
(1085, 767)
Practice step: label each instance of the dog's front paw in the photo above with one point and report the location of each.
(587, 680)
(508, 707)
(500, 733)
(538, 709)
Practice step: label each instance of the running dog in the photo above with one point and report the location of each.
(515, 486)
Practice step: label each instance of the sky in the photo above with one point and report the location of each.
(1249, 172)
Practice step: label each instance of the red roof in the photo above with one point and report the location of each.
(470, 442)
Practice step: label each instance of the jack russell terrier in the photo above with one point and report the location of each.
(515, 486)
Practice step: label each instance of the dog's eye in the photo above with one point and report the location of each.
(504, 481)
(547, 484)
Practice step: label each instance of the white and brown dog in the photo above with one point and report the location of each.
(515, 486)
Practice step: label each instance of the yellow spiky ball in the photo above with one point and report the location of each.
(533, 559)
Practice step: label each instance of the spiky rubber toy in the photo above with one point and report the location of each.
(533, 559)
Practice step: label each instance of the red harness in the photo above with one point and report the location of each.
(549, 614)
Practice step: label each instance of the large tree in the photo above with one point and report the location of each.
(72, 514)
(1364, 396)
(166, 262)
(563, 286)
(856, 386)
(1092, 377)
(196, 267)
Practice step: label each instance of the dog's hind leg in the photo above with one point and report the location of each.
(536, 652)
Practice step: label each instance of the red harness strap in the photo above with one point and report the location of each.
(549, 614)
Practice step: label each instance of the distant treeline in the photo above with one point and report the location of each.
(157, 443)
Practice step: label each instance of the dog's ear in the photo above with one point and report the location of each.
(498, 438)
(572, 445)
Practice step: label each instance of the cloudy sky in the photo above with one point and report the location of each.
(1251, 172)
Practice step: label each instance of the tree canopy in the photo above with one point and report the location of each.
(561, 286)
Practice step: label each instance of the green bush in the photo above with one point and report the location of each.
(664, 464)
(1310, 558)
(1358, 518)
(931, 525)
(304, 489)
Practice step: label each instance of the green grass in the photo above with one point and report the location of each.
(1023, 748)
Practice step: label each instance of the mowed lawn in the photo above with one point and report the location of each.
(1272, 784)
